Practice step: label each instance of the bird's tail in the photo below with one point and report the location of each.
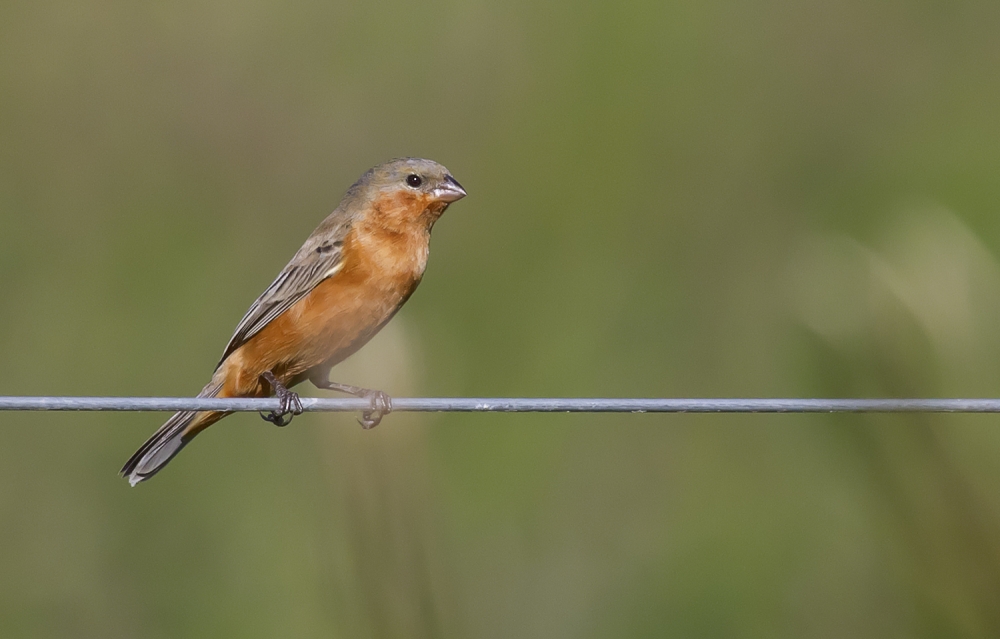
(170, 438)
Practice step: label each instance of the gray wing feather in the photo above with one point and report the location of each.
(313, 263)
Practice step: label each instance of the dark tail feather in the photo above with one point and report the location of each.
(169, 439)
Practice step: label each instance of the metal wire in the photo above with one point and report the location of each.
(512, 405)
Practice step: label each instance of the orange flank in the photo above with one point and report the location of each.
(383, 261)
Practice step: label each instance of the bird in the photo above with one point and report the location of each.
(351, 276)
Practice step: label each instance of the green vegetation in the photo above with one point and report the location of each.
(665, 199)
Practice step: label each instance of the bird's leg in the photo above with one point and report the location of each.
(290, 405)
(381, 403)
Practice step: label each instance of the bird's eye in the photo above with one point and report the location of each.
(414, 180)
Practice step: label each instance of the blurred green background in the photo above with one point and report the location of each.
(681, 198)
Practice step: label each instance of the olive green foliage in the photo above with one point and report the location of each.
(685, 198)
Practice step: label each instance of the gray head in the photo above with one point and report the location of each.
(417, 176)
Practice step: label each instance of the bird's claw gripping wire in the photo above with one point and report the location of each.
(381, 406)
(290, 404)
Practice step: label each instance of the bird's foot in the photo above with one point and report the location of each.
(290, 404)
(381, 404)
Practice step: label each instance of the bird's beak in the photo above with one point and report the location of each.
(449, 191)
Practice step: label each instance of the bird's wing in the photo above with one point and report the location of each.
(319, 258)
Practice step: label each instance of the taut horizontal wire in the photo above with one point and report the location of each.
(513, 405)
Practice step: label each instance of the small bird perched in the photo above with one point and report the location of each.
(348, 279)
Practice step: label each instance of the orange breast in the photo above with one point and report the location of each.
(381, 269)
